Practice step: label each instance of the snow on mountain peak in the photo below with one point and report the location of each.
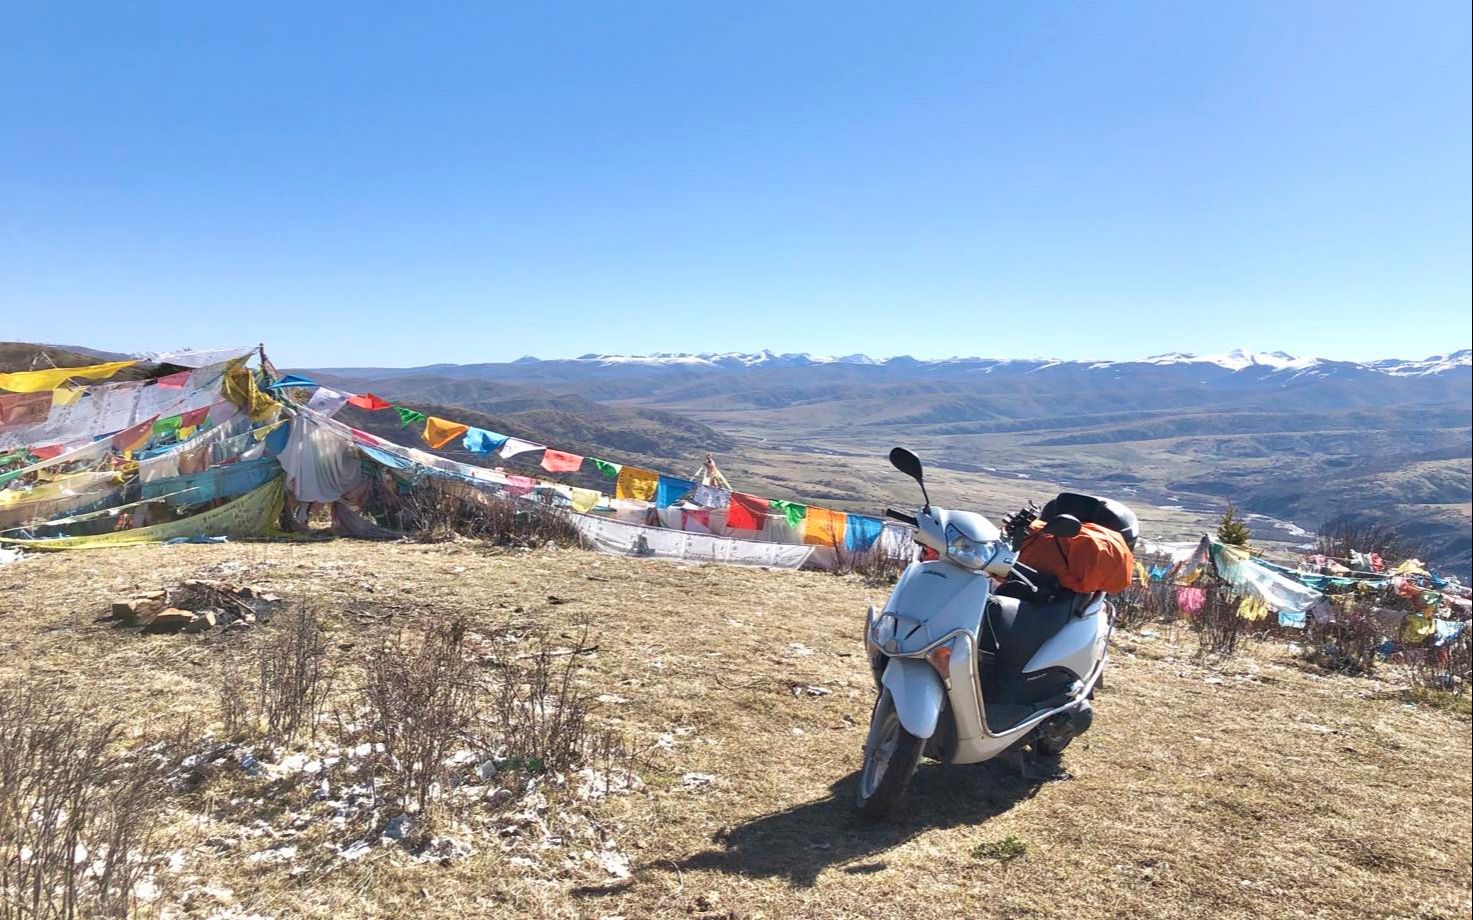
(1278, 364)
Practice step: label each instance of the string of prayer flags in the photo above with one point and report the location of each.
(746, 512)
(795, 512)
(51, 378)
(368, 402)
(556, 461)
(862, 532)
(637, 484)
(439, 432)
(514, 446)
(671, 490)
(825, 527)
(610, 470)
(408, 416)
(481, 441)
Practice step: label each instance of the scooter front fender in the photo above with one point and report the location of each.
(918, 693)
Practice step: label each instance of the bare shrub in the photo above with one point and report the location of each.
(1348, 645)
(1345, 533)
(1448, 667)
(1218, 623)
(294, 677)
(540, 718)
(77, 815)
(873, 565)
(439, 509)
(235, 693)
(421, 702)
(1140, 604)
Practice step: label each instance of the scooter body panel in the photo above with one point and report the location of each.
(917, 692)
(1076, 647)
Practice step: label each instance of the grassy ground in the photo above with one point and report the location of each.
(1248, 789)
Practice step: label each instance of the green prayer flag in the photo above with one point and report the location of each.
(611, 470)
(166, 425)
(408, 416)
(793, 511)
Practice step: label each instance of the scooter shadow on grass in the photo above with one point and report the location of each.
(802, 841)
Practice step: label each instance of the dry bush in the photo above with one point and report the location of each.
(540, 719)
(440, 509)
(421, 701)
(78, 814)
(1142, 604)
(1448, 667)
(1345, 532)
(873, 565)
(1217, 623)
(1348, 645)
(294, 677)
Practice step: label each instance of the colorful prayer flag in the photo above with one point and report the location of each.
(610, 470)
(368, 402)
(51, 378)
(747, 512)
(671, 490)
(408, 416)
(556, 461)
(795, 512)
(825, 527)
(637, 484)
(481, 441)
(439, 432)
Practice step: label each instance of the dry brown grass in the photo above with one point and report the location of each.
(1253, 789)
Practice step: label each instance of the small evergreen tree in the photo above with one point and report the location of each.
(1231, 529)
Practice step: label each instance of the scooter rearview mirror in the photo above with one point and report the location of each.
(909, 464)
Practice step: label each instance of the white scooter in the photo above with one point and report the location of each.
(965, 673)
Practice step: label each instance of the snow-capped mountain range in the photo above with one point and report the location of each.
(1275, 363)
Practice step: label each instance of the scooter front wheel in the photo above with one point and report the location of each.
(891, 755)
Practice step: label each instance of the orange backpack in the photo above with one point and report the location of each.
(1095, 559)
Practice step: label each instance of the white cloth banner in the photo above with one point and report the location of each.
(320, 459)
(618, 538)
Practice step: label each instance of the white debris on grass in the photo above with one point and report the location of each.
(799, 650)
(596, 784)
(697, 780)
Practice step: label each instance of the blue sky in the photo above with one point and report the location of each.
(411, 183)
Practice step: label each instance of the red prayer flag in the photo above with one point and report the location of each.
(555, 461)
(368, 401)
(747, 512)
(47, 453)
(363, 437)
(175, 381)
(194, 417)
(135, 437)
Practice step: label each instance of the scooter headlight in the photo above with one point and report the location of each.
(963, 550)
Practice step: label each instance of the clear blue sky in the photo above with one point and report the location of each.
(363, 183)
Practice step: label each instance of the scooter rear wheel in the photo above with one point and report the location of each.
(890, 760)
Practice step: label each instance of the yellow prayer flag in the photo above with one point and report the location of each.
(1252, 609)
(65, 396)
(51, 378)
(825, 527)
(637, 484)
(585, 499)
(239, 386)
(439, 432)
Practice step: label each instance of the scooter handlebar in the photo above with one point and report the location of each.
(902, 517)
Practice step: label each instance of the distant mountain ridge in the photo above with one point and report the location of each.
(1235, 361)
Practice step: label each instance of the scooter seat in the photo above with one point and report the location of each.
(1019, 628)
